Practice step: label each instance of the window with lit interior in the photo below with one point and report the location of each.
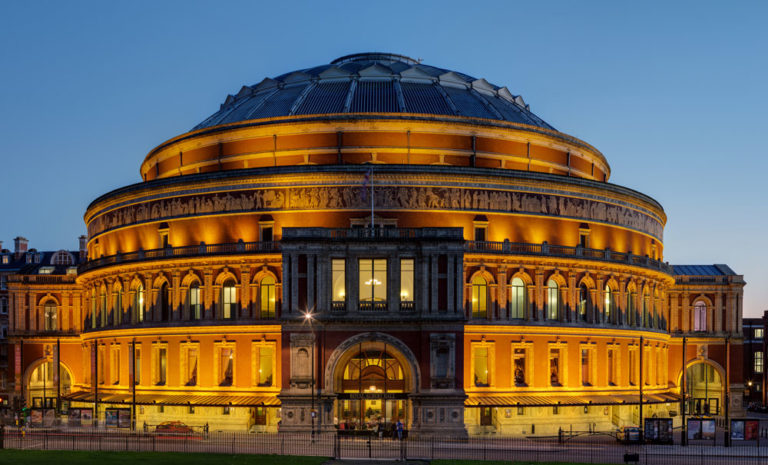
(517, 299)
(373, 284)
(479, 297)
(268, 298)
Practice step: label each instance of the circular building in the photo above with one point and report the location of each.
(370, 241)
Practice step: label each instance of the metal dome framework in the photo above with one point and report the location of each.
(374, 83)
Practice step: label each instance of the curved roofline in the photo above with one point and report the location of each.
(432, 169)
(378, 116)
(375, 56)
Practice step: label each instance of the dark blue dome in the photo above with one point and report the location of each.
(374, 83)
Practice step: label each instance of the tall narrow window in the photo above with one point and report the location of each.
(758, 362)
(228, 299)
(633, 367)
(119, 306)
(482, 377)
(138, 304)
(517, 299)
(161, 366)
(103, 308)
(584, 302)
(586, 367)
(226, 361)
(263, 358)
(137, 366)
(114, 365)
(612, 367)
(164, 302)
(191, 367)
(406, 280)
(553, 300)
(631, 310)
(608, 304)
(195, 303)
(267, 289)
(555, 366)
(373, 284)
(479, 298)
(49, 313)
(520, 367)
(700, 316)
(646, 308)
(338, 279)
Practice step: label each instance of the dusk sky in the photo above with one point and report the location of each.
(674, 94)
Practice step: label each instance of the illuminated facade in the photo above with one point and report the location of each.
(377, 240)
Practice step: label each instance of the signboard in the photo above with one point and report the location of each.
(124, 418)
(744, 430)
(701, 428)
(36, 417)
(372, 396)
(658, 430)
(86, 416)
(110, 417)
(49, 417)
(74, 417)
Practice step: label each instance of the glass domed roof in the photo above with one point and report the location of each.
(374, 83)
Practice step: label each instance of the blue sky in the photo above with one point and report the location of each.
(673, 93)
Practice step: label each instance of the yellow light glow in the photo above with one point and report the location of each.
(373, 281)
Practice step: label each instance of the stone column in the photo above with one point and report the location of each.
(674, 312)
(208, 294)
(245, 292)
(502, 293)
(178, 298)
(686, 314)
(539, 283)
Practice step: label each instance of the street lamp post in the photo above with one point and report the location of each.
(309, 318)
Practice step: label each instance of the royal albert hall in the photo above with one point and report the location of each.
(375, 240)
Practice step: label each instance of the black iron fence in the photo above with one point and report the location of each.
(578, 448)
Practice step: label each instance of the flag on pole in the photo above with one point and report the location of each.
(366, 183)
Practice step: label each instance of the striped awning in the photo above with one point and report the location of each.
(180, 399)
(529, 400)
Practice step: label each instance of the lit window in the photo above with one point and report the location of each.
(612, 367)
(195, 303)
(267, 289)
(585, 302)
(263, 360)
(555, 366)
(479, 298)
(50, 316)
(339, 280)
(226, 361)
(138, 304)
(758, 362)
(228, 299)
(520, 367)
(608, 304)
(758, 333)
(482, 377)
(517, 299)
(373, 281)
(553, 300)
(586, 367)
(700, 316)
(406, 280)
(190, 374)
(161, 365)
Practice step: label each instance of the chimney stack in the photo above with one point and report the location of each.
(20, 245)
(82, 240)
(1, 245)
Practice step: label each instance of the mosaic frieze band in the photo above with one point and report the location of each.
(385, 197)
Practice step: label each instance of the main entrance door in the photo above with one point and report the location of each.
(372, 396)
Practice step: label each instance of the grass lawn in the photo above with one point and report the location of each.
(41, 457)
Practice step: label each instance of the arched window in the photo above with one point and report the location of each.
(267, 288)
(195, 306)
(585, 302)
(700, 316)
(228, 299)
(103, 307)
(646, 309)
(479, 298)
(164, 302)
(517, 299)
(118, 308)
(94, 306)
(62, 258)
(138, 304)
(631, 310)
(553, 300)
(50, 316)
(608, 304)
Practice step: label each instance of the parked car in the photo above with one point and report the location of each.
(174, 428)
(628, 435)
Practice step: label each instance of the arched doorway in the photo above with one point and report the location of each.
(372, 381)
(704, 389)
(41, 384)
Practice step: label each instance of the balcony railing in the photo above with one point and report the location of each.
(373, 307)
(43, 333)
(228, 248)
(289, 234)
(564, 251)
